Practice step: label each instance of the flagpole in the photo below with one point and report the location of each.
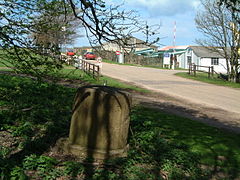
(174, 44)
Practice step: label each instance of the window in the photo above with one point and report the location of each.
(189, 59)
(214, 61)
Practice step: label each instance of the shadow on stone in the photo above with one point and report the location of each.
(99, 124)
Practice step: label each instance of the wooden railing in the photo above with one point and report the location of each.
(193, 69)
(89, 68)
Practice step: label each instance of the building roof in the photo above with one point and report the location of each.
(172, 47)
(206, 52)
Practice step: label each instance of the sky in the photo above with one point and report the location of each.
(165, 12)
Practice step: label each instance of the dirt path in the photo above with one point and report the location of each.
(215, 105)
(164, 81)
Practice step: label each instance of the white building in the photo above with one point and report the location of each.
(199, 55)
(203, 57)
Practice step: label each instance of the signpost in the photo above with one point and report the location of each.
(120, 57)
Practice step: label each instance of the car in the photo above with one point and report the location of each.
(90, 55)
(70, 53)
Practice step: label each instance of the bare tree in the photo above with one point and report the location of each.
(55, 25)
(221, 30)
(104, 22)
(233, 5)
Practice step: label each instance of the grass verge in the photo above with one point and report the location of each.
(34, 115)
(80, 75)
(203, 77)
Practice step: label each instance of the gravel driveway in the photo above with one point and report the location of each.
(165, 81)
(211, 104)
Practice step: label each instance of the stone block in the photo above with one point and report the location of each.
(100, 123)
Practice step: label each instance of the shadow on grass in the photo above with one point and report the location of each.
(216, 148)
(161, 145)
(37, 113)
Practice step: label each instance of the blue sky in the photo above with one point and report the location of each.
(165, 12)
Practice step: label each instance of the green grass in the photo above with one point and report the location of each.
(35, 115)
(76, 74)
(4, 63)
(203, 77)
(80, 75)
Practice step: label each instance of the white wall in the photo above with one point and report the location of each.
(181, 60)
(220, 68)
(111, 47)
(195, 59)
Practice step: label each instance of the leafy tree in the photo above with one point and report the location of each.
(55, 25)
(221, 29)
(17, 22)
(31, 31)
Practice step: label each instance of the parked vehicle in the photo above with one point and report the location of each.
(90, 55)
(70, 53)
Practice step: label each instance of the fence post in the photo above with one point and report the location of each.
(91, 69)
(194, 69)
(209, 71)
(190, 67)
(98, 71)
(84, 66)
(212, 71)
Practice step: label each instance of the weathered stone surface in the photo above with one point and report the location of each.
(100, 123)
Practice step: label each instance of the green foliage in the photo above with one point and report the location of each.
(17, 173)
(19, 47)
(45, 166)
(4, 151)
(35, 113)
(42, 163)
(154, 146)
(181, 146)
(73, 168)
(161, 145)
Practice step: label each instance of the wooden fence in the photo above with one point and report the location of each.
(193, 69)
(89, 68)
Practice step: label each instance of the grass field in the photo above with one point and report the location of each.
(34, 115)
(204, 78)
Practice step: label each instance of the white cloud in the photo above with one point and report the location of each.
(164, 7)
